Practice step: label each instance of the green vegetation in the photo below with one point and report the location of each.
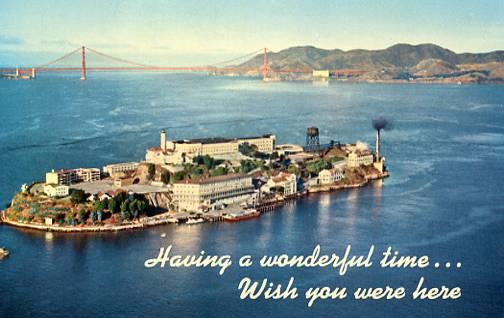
(78, 196)
(251, 151)
(293, 169)
(165, 177)
(248, 165)
(315, 167)
(219, 171)
(151, 170)
(336, 159)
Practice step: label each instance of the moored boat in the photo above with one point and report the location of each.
(241, 216)
(195, 221)
(4, 252)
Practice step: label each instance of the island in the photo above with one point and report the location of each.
(193, 181)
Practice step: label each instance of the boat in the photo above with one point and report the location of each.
(172, 220)
(241, 216)
(4, 252)
(163, 235)
(195, 221)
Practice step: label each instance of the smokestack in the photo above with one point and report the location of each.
(378, 125)
(378, 145)
(163, 140)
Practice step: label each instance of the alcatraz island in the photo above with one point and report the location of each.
(193, 181)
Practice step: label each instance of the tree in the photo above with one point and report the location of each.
(274, 156)
(165, 177)
(94, 216)
(133, 207)
(100, 216)
(293, 169)
(78, 196)
(121, 196)
(113, 205)
(219, 171)
(152, 171)
(124, 206)
(125, 215)
(247, 149)
(141, 206)
(105, 204)
(179, 175)
(69, 218)
(99, 206)
(82, 215)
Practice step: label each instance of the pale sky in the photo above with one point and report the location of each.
(175, 32)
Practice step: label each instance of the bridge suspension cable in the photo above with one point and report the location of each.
(227, 62)
(119, 59)
(59, 59)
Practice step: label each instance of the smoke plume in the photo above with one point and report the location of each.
(382, 123)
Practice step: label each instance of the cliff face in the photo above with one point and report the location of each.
(400, 61)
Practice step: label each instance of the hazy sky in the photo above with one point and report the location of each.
(185, 31)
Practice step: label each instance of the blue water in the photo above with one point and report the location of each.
(443, 199)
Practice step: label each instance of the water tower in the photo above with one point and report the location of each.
(312, 138)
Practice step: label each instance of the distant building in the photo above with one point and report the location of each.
(285, 182)
(55, 190)
(321, 74)
(123, 182)
(288, 149)
(192, 195)
(70, 176)
(330, 176)
(359, 158)
(120, 167)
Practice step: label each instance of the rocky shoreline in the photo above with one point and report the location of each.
(149, 222)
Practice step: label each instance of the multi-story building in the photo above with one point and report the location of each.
(330, 176)
(55, 190)
(69, 176)
(175, 151)
(285, 182)
(120, 167)
(192, 195)
(359, 158)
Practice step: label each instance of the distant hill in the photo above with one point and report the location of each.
(396, 62)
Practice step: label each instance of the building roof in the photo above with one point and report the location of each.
(122, 163)
(281, 177)
(216, 140)
(215, 179)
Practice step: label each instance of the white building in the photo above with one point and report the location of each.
(330, 176)
(69, 176)
(288, 149)
(120, 167)
(283, 181)
(359, 158)
(193, 195)
(174, 151)
(55, 190)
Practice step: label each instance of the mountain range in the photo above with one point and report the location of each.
(423, 62)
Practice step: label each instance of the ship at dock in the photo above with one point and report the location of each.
(241, 215)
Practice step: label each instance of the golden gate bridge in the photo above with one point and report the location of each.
(126, 65)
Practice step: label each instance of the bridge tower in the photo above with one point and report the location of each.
(265, 68)
(83, 68)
